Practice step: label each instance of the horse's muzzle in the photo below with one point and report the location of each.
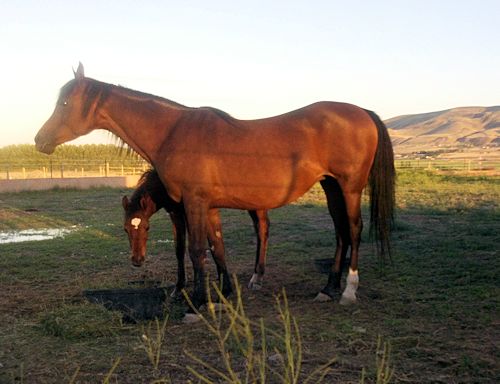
(43, 147)
(137, 262)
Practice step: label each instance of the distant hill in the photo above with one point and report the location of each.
(452, 129)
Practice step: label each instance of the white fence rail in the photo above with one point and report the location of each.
(70, 169)
(86, 168)
(460, 165)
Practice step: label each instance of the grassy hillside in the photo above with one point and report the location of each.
(458, 128)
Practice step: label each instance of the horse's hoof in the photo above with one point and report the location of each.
(255, 283)
(347, 299)
(190, 318)
(254, 286)
(322, 297)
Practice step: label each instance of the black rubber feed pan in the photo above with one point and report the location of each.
(135, 304)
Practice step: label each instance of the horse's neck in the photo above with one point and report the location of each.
(134, 119)
(155, 198)
(161, 199)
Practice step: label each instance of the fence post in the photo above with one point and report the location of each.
(51, 169)
(106, 168)
(62, 170)
(8, 173)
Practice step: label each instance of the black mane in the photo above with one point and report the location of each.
(93, 90)
(98, 89)
(149, 183)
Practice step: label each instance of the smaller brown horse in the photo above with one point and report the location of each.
(150, 196)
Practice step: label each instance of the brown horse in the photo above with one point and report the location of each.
(150, 196)
(207, 159)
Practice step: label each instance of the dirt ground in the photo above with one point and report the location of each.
(435, 306)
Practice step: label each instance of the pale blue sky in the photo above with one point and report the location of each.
(252, 58)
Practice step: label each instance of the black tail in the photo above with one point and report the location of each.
(382, 190)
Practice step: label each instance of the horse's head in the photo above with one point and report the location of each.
(136, 225)
(73, 115)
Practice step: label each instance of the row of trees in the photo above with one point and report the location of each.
(25, 155)
(24, 161)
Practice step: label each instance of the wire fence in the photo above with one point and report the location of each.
(89, 168)
(465, 165)
(71, 168)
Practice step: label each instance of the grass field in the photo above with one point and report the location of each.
(436, 306)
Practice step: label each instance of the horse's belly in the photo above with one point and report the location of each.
(270, 191)
(243, 182)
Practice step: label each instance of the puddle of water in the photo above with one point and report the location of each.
(32, 235)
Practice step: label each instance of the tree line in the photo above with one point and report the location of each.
(24, 154)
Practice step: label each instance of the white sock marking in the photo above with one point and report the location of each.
(255, 282)
(349, 294)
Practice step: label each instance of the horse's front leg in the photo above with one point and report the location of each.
(179, 229)
(218, 251)
(196, 215)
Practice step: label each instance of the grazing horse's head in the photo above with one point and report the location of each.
(136, 225)
(74, 114)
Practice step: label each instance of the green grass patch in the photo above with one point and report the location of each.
(80, 321)
(436, 304)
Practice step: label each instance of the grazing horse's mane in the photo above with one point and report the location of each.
(149, 183)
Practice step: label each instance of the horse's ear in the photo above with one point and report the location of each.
(147, 204)
(79, 74)
(125, 202)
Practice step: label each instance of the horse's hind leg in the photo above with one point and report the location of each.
(218, 251)
(338, 212)
(353, 206)
(261, 226)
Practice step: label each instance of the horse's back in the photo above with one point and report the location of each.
(327, 133)
(266, 163)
